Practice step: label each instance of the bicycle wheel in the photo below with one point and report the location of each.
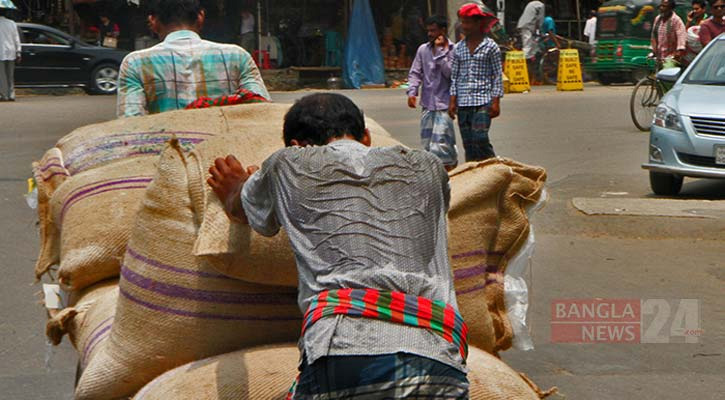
(549, 67)
(643, 102)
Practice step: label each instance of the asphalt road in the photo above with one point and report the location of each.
(590, 149)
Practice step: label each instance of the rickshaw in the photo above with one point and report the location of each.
(624, 29)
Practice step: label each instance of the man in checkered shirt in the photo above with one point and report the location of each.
(183, 67)
(476, 82)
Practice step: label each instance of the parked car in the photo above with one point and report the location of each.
(52, 58)
(687, 137)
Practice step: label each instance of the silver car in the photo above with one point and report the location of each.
(687, 137)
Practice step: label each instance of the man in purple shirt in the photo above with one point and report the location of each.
(431, 69)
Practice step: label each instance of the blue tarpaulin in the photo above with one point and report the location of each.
(363, 63)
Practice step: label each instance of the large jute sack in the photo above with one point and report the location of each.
(49, 173)
(267, 373)
(127, 150)
(88, 321)
(488, 224)
(172, 309)
(91, 214)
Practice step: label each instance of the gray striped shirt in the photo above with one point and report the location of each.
(360, 217)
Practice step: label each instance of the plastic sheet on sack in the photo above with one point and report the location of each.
(363, 63)
(516, 283)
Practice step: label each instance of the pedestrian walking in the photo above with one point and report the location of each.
(431, 74)
(590, 28)
(697, 15)
(246, 30)
(714, 26)
(528, 26)
(182, 68)
(347, 209)
(10, 51)
(669, 37)
(476, 82)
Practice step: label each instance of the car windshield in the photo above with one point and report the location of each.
(710, 68)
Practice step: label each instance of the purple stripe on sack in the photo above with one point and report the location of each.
(202, 315)
(47, 166)
(87, 185)
(477, 253)
(100, 337)
(47, 178)
(207, 296)
(87, 191)
(474, 271)
(62, 213)
(131, 252)
(156, 133)
(476, 288)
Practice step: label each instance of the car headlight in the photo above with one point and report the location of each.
(666, 117)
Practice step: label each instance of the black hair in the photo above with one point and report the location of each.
(318, 117)
(673, 3)
(176, 11)
(712, 2)
(701, 3)
(438, 20)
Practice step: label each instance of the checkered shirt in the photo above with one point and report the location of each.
(476, 79)
(181, 69)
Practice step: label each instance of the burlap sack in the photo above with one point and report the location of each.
(49, 173)
(88, 321)
(99, 144)
(93, 211)
(267, 373)
(488, 224)
(111, 162)
(172, 309)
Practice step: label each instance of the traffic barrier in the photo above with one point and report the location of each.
(516, 70)
(569, 76)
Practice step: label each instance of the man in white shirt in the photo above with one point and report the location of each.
(247, 31)
(590, 29)
(9, 55)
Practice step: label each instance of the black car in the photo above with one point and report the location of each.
(52, 58)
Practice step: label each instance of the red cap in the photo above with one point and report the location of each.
(474, 10)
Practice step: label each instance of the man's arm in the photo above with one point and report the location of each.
(496, 82)
(444, 58)
(455, 71)
(250, 78)
(415, 77)
(18, 45)
(131, 97)
(705, 35)
(681, 32)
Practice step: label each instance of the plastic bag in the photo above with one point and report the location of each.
(32, 196)
(516, 292)
(363, 64)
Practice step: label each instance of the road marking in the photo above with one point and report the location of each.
(650, 207)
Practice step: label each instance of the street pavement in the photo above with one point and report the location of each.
(592, 153)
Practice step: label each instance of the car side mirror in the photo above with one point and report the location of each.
(669, 75)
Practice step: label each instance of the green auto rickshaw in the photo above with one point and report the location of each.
(624, 29)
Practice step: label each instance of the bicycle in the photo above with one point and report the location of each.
(645, 98)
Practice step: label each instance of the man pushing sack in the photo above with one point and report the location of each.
(369, 232)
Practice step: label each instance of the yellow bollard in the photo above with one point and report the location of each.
(569, 76)
(517, 72)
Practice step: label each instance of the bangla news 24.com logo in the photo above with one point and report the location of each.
(626, 321)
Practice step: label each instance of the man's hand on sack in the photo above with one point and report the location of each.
(227, 179)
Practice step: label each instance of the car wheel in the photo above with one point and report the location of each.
(104, 79)
(604, 79)
(665, 184)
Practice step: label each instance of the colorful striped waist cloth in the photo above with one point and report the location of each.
(435, 315)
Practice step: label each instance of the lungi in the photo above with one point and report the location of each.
(438, 136)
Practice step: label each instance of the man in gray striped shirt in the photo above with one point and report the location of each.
(368, 228)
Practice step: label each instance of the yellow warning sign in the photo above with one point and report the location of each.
(515, 69)
(569, 76)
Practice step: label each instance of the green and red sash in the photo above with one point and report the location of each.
(435, 315)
